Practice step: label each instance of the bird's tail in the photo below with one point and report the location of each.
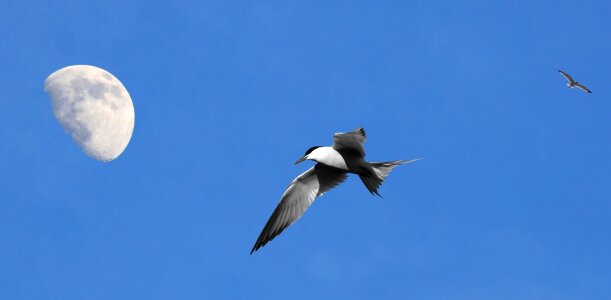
(381, 170)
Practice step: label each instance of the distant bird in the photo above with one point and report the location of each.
(332, 168)
(574, 84)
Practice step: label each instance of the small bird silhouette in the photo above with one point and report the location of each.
(572, 83)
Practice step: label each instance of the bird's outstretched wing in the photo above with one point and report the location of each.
(297, 198)
(350, 141)
(583, 88)
(567, 77)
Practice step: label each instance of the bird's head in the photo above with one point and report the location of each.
(310, 154)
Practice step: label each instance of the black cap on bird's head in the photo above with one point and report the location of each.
(305, 156)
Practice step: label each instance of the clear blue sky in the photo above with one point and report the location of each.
(511, 201)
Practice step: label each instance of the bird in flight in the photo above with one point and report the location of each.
(572, 83)
(333, 163)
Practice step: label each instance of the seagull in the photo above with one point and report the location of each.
(572, 83)
(333, 163)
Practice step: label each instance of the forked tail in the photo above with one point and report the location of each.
(381, 170)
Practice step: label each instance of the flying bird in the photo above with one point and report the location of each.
(572, 83)
(333, 163)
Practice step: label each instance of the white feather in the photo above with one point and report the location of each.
(329, 157)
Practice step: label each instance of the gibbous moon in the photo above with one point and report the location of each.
(94, 107)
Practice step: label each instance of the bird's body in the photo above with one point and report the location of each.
(574, 84)
(328, 156)
(334, 163)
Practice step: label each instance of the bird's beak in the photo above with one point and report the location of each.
(301, 159)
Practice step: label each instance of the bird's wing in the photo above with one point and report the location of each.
(567, 76)
(581, 87)
(300, 194)
(350, 141)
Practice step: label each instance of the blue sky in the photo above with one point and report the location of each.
(511, 200)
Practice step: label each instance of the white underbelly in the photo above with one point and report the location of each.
(333, 159)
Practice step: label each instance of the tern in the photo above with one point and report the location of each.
(572, 83)
(333, 163)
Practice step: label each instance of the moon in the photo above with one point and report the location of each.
(94, 107)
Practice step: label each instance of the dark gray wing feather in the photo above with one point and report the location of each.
(350, 141)
(297, 198)
(567, 76)
(583, 88)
